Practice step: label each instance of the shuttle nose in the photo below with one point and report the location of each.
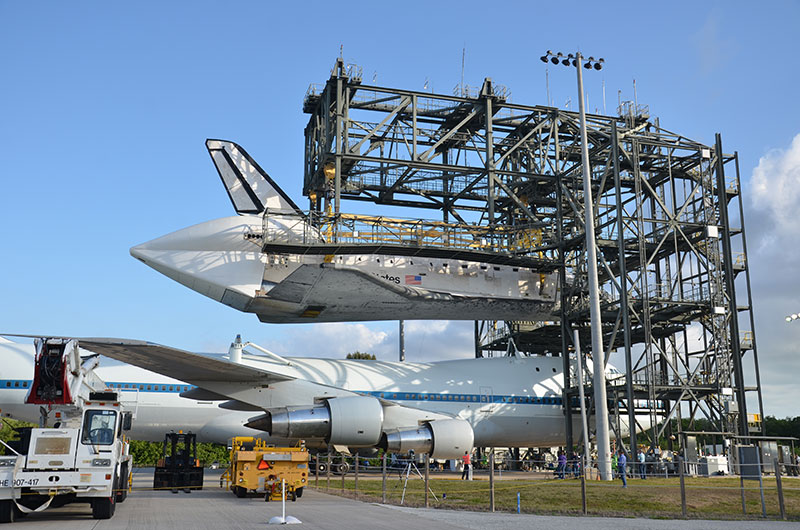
(212, 258)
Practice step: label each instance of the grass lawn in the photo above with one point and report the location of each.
(711, 498)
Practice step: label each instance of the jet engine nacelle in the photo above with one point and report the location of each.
(438, 438)
(355, 421)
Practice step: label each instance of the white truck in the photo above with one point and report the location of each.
(84, 456)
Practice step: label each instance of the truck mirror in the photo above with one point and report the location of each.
(127, 421)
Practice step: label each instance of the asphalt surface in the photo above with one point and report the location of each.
(213, 508)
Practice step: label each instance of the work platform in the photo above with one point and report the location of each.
(675, 293)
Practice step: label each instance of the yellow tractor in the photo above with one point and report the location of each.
(257, 468)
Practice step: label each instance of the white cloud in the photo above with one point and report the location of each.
(776, 187)
(773, 237)
(333, 340)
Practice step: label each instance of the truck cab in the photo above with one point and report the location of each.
(83, 457)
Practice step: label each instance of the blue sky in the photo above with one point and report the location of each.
(105, 106)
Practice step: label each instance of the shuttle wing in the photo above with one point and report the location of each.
(172, 362)
(249, 187)
(312, 284)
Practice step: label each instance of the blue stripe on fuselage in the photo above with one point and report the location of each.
(22, 384)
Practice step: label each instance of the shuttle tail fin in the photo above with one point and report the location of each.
(249, 187)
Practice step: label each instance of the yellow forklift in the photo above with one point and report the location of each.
(257, 468)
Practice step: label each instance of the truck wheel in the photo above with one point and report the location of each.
(104, 508)
(299, 492)
(122, 486)
(294, 495)
(7, 511)
(239, 492)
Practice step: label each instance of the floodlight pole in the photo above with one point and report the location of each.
(402, 334)
(598, 353)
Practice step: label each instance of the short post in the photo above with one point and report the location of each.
(519, 508)
(355, 488)
(780, 489)
(491, 480)
(683, 487)
(328, 471)
(741, 487)
(342, 471)
(583, 484)
(316, 471)
(383, 476)
(427, 468)
(283, 499)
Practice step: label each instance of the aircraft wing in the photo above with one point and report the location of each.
(172, 362)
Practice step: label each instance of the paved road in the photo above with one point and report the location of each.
(215, 509)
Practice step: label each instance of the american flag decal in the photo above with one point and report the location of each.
(413, 280)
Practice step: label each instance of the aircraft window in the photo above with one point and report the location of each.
(186, 389)
(394, 396)
(148, 387)
(554, 369)
(537, 368)
(163, 387)
(25, 384)
(16, 384)
(8, 383)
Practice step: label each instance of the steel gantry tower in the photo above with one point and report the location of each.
(669, 232)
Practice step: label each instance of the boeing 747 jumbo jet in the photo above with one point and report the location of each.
(285, 265)
(440, 408)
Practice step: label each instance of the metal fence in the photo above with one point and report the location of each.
(654, 488)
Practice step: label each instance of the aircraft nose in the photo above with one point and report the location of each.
(211, 258)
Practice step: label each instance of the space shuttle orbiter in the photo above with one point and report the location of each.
(273, 260)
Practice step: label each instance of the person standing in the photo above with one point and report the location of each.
(642, 465)
(614, 464)
(467, 464)
(621, 462)
(562, 464)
